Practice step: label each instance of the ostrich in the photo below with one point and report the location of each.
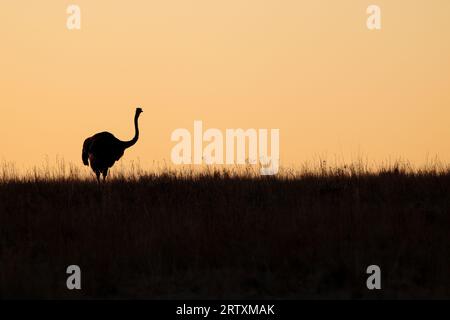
(103, 149)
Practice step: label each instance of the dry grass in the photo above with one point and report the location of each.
(306, 233)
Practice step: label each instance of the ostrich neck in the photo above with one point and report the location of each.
(130, 143)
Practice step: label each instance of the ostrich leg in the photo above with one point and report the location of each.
(105, 173)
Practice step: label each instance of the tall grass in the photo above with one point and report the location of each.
(61, 170)
(309, 232)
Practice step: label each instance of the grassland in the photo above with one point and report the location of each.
(308, 234)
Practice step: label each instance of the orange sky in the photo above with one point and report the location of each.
(310, 68)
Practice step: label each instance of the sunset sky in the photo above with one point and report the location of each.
(308, 67)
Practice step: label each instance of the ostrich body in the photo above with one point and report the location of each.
(103, 149)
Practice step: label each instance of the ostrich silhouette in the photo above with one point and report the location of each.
(103, 149)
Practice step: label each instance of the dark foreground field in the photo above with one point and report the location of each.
(228, 237)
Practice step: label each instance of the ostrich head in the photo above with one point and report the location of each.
(139, 111)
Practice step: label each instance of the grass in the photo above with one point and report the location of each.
(217, 233)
